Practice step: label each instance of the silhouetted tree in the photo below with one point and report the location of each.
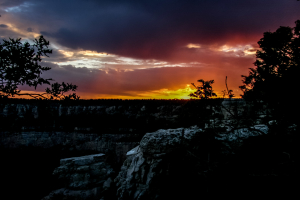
(19, 65)
(274, 81)
(227, 92)
(57, 91)
(204, 91)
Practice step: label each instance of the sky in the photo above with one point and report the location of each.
(142, 49)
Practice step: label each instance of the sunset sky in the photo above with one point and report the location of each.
(138, 49)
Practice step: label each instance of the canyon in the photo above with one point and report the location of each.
(42, 135)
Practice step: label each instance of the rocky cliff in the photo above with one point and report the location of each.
(100, 126)
(193, 163)
(101, 116)
(166, 157)
(159, 167)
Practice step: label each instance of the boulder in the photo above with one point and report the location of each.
(157, 168)
(163, 141)
(144, 167)
(243, 133)
(85, 177)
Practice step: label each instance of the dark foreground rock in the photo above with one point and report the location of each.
(188, 163)
(86, 177)
(192, 163)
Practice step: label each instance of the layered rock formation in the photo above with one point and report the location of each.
(188, 163)
(90, 116)
(145, 165)
(153, 168)
(82, 178)
(91, 125)
(167, 163)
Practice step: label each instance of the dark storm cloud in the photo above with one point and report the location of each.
(5, 33)
(10, 3)
(55, 56)
(157, 29)
(3, 26)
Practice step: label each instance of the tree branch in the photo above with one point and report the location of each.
(33, 95)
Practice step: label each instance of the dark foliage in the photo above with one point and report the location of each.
(274, 81)
(204, 91)
(19, 65)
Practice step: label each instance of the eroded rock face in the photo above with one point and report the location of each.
(85, 177)
(163, 141)
(243, 133)
(144, 174)
(145, 166)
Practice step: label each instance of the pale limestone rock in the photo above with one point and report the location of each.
(144, 162)
(133, 151)
(162, 140)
